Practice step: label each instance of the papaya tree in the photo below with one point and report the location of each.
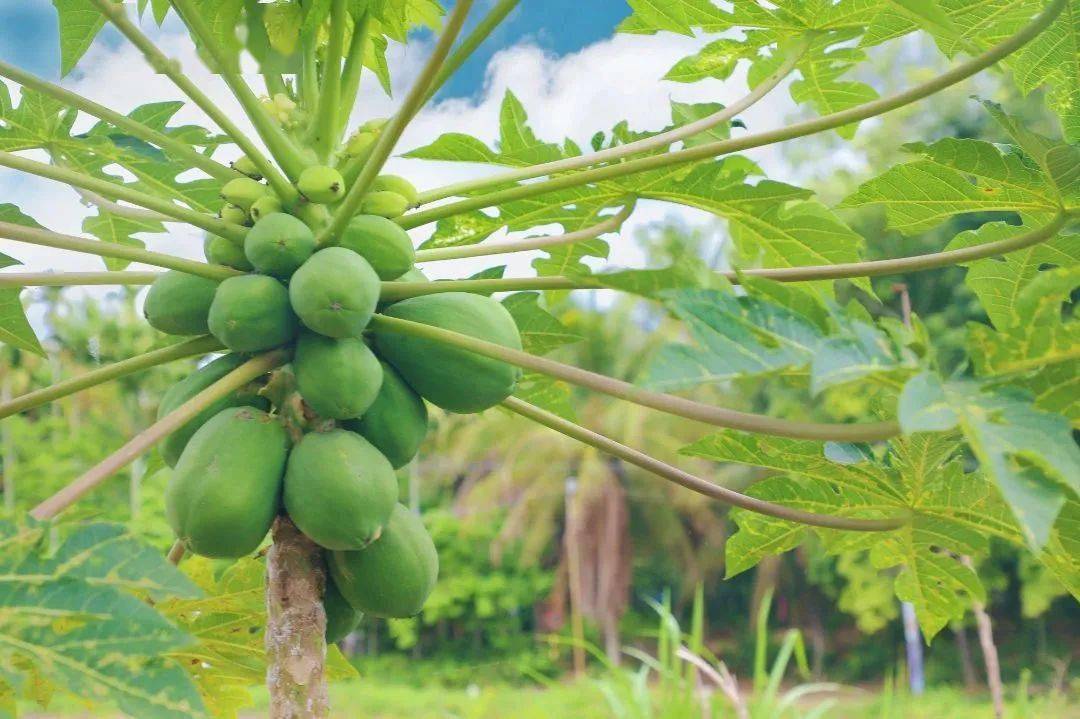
(329, 343)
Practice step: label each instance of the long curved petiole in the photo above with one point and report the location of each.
(179, 149)
(809, 273)
(115, 191)
(724, 147)
(117, 14)
(75, 279)
(671, 404)
(172, 353)
(647, 144)
(384, 146)
(138, 445)
(353, 71)
(279, 144)
(610, 224)
(45, 238)
(692, 482)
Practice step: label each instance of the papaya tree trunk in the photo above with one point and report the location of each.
(295, 626)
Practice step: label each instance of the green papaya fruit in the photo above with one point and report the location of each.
(384, 203)
(341, 619)
(397, 422)
(278, 244)
(339, 489)
(243, 192)
(246, 166)
(394, 183)
(226, 489)
(251, 313)
(360, 143)
(394, 576)
(235, 215)
(335, 292)
(375, 125)
(193, 384)
(338, 378)
(382, 242)
(321, 184)
(265, 206)
(222, 251)
(179, 303)
(455, 379)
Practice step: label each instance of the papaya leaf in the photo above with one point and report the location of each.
(921, 476)
(541, 332)
(15, 329)
(547, 393)
(80, 22)
(957, 176)
(71, 617)
(1030, 454)
(739, 336)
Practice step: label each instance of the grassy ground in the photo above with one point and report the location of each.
(370, 700)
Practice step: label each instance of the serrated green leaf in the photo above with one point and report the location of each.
(1030, 454)
(71, 618)
(540, 331)
(15, 329)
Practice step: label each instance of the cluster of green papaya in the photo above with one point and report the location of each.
(331, 467)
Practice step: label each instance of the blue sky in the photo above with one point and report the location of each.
(33, 44)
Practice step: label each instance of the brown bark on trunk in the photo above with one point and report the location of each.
(295, 626)
(989, 650)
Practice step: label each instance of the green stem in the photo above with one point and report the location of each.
(275, 84)
(694, 483)
(114, 191)
(468, 46)
(648, 144)
(45, 238)
(242, 375)
(723, 147)
(279, 144)
(671, 404)
(182, 350)
(116, 13)
(354, 69)
(610, 224)
(75, 279)
(390, 135)
(178, 148)
(309, 76)
(326, 117)
(872, 268)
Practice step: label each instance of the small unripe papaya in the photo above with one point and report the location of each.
(339, 490)
(449, 377)
(179, 303)
(335, 292)
(226, 489)
(384, 203)
(360, 143)
(265, 206)
(413, 275)
(251, 313)
(382, 242)
(246, 166)
(278, 244)
(321, 184)
(243, 192)
(341, 619)
(223, 251)
(173, 445)
(234, 214)
(395, 183)
(394, 576)
(338, 378)
(375, 125)
(397, 422)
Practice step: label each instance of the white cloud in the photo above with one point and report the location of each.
(574, 95)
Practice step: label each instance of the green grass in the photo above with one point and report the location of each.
(375, 700)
